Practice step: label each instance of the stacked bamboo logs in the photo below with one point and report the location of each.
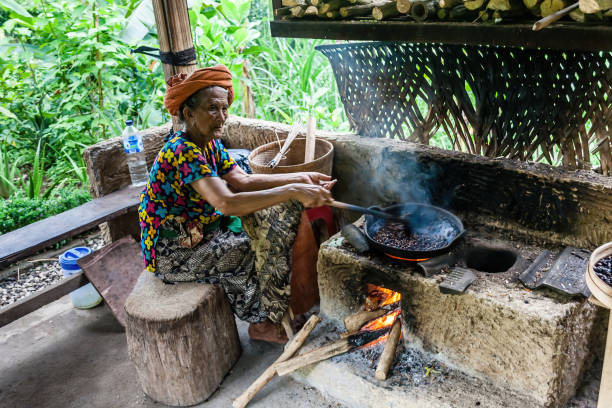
(485, 11)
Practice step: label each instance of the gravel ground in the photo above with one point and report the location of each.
(36, 275)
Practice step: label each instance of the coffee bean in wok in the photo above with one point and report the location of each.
(398, 236)
(603, 269)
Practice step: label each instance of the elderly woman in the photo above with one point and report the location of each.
(190, 230)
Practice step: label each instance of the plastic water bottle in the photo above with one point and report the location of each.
(137, 164)
(86, 296)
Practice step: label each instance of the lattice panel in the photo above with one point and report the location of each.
(524, 104)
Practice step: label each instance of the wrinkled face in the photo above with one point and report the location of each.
(207, 119)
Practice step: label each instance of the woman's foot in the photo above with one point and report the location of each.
(267, 331)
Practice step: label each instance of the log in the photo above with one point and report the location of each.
(388, 354)
(461, 13)
(386, 10)
(505, 5)
(290, 349)
(442, 13)
(594, 6)
(549, 7)
(448, 4)
(474, 4)
(355, 321)
(332, 14)
(282, 11)
(297, 12)
(484, 15)
(293, 3)
(500, 15)
(328, 351)
(546, 21)
(311, 11)
(331, 6)
(181, 338)
(424, 10)
(315, 3)
(354, 11)
(403, 6)
(532, 4)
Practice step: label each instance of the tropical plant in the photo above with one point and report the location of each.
(32, 183)
(8, 172)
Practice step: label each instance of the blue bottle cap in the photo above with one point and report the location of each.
(68, 260)
(129, 122)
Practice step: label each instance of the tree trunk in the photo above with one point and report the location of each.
(182, 339)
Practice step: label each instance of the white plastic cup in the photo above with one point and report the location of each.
(86, 296)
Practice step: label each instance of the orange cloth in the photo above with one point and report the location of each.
(182, 86)
(304, 288)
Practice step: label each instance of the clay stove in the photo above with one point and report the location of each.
(502, 342)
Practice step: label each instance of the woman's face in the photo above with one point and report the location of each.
(207, 119)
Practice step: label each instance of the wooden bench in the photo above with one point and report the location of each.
(114, 206)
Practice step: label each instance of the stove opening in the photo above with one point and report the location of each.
(490, 260)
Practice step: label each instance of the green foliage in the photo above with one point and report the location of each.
(21, 211)
(8, 172)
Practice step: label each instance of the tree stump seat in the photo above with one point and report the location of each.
(182, 338)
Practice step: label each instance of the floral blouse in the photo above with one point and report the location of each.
(168, 193)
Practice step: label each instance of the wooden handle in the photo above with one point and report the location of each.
(548, 20)
(369, 211)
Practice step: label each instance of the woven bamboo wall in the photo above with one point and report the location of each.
(542, 105)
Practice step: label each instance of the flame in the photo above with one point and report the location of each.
(406, 259)
(382, 322)
(378, 297)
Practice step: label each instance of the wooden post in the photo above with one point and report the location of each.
(311, 140)
(605, 387)
(174, 33)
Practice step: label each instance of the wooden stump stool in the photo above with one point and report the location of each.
(182, 339)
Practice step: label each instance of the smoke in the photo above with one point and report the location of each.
(401, 179)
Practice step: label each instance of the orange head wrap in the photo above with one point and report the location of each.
(182, 86)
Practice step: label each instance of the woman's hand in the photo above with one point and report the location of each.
(318, 179)
(311, 195)
(311, 177)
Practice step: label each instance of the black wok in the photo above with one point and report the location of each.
(423, 219)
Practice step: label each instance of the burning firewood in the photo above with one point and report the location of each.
(290, 349)
(330, 350)
(388, 354)
(354, 322)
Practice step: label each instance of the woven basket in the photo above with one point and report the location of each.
(294, 158)
(600, 290)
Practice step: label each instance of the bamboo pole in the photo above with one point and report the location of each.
(292, 347)
(174, 34)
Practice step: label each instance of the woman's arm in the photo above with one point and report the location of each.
(216, 192)
(241, 181)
